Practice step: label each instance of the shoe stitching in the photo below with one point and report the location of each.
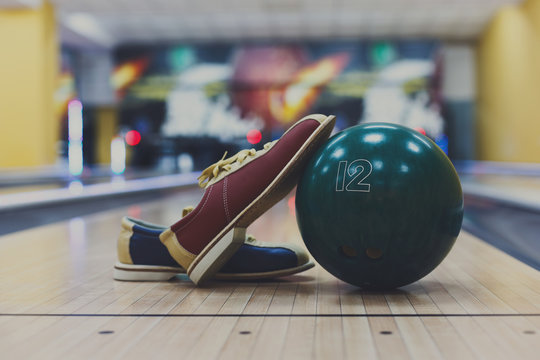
(225, 197)
(199, 211)
(302, 147)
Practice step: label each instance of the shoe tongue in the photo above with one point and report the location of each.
(187, 210)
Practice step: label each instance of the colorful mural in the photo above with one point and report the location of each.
(224, 91)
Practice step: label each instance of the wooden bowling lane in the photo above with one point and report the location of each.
(58, 300)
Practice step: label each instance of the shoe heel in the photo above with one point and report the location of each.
(205, 268)
(126, 272)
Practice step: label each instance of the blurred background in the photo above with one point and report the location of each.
(110, 91)
(152, 87)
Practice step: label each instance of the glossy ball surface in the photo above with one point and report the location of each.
(379, 205)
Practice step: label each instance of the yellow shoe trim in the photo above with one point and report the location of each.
(215, 255)
(122, 245)
(187, 210)
(181, 255)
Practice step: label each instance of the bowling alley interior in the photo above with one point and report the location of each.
(270, 179)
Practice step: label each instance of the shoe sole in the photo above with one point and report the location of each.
(264, 275)
(213, 257)
(129, 272)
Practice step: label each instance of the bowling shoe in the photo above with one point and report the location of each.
(237, 191)
(142, 257)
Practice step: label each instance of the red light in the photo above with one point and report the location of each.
(254, 136)
(134, 211)
(291, 203)
(420, 130)
(133, 137)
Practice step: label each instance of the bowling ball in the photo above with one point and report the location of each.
(379, 205)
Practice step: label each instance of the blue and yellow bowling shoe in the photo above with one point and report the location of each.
(143, 257)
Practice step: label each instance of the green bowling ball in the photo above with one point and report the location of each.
(379, 205)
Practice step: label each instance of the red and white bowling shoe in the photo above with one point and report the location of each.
(237, 191)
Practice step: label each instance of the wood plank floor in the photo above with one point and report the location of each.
(58, 300)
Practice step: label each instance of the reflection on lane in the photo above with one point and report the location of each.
(502, 206)
(510, 228)
(24, 210)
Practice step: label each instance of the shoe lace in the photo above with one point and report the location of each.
(187, 210)
(223, 166)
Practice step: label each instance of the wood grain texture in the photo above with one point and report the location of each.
(58, 300)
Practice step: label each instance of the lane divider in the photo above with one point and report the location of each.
(77, 192)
